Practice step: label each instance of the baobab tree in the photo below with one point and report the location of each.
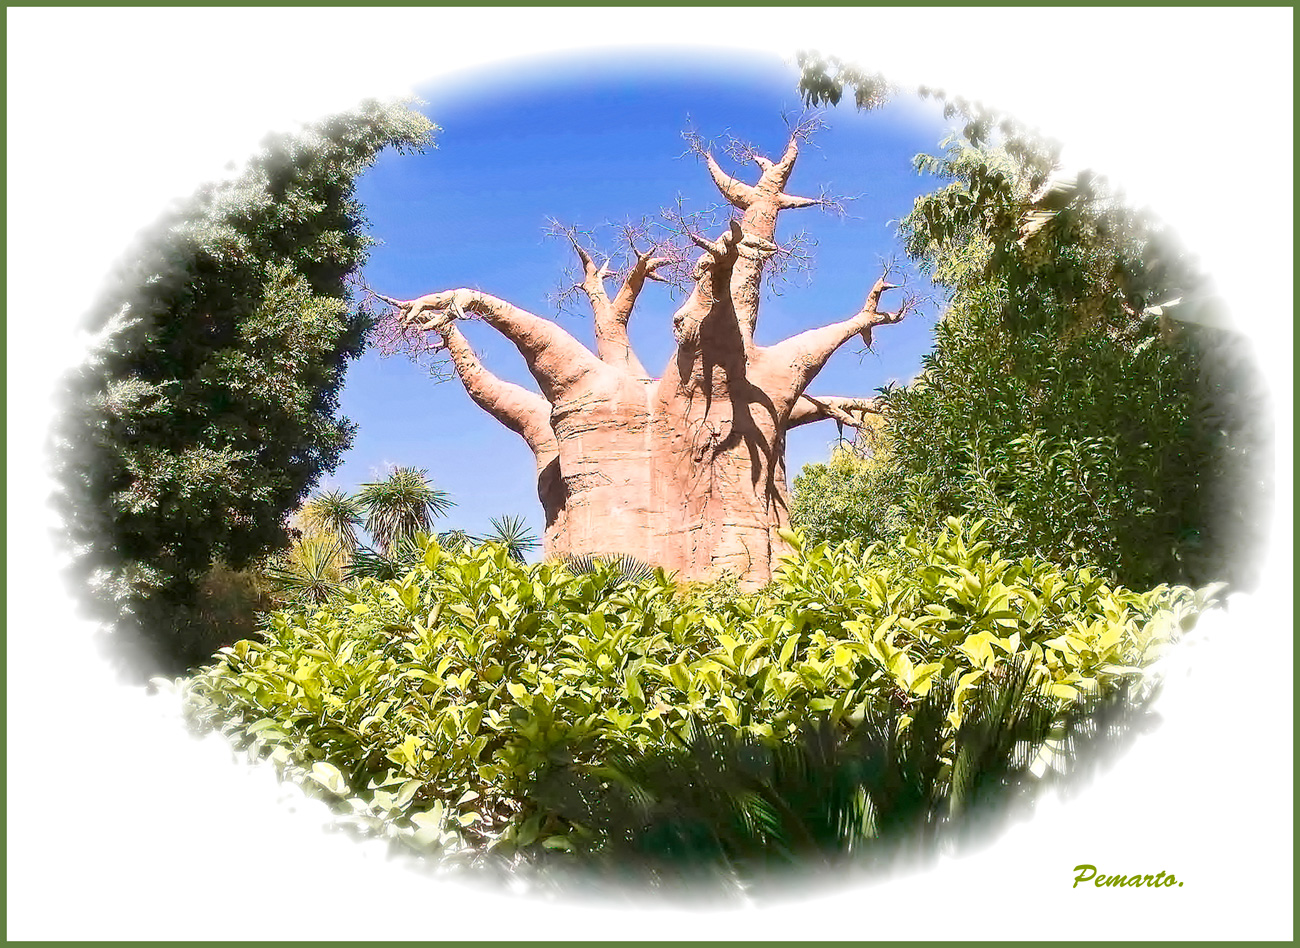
(686, 470)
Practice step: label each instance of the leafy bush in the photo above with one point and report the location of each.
(851, 497)
(1080, 393)
(1084, 394)
(435, 707)
(1071, 398)
(1078, 451)
(229, 605)
(725, 804)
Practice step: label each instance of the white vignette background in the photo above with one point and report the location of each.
(121, 828)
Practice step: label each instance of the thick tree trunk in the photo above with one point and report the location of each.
(686, 471)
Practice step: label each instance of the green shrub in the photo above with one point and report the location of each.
(434, 706)
(1084, 391)
(722, 804)
(850, 497)
(1085, 450)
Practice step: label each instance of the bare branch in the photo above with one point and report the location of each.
(393, 334)
(804, 355)
(680, 229)
(793, 258)
(556, 360)
(643, 267)
(803, 126)
(632, 266)
(573, 279)
(847, 411)
(523, 412)
(737, 193)
(760, 201)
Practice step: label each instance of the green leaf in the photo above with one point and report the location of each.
(407, 793)
(329, 777)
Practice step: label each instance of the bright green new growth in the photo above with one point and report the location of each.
(436, 704)
(846, 498)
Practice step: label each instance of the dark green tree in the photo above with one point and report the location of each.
(1084, 393)
(209, 405)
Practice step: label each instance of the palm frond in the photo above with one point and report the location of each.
(403, 504)
(453, 541)
(385, 566)
(514, 534)
(310, 572)
(335, 514)
(1007, 719)
(621, 567)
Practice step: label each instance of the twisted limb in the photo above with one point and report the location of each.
(558, 362)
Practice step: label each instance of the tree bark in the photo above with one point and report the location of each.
(686, 471)
(523, 412)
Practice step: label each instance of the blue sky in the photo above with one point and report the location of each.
(591, 141)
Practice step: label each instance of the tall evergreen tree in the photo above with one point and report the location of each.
(209, 405)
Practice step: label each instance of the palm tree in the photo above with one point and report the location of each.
(400, 559)
(514, 535)
(400, 506)
(333, 514)
(454, 541)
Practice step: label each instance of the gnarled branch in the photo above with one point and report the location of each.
(846, 410)
(737, 193)
(710, 274)
(802, 356)
(523, 412)
(761, 201)
(611, 315)
(556, 360)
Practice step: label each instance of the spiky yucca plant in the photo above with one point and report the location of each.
(453, 541)
(390, 565)
(311, 571)
(512, 533)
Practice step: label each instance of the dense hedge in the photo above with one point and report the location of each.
(433, 707)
